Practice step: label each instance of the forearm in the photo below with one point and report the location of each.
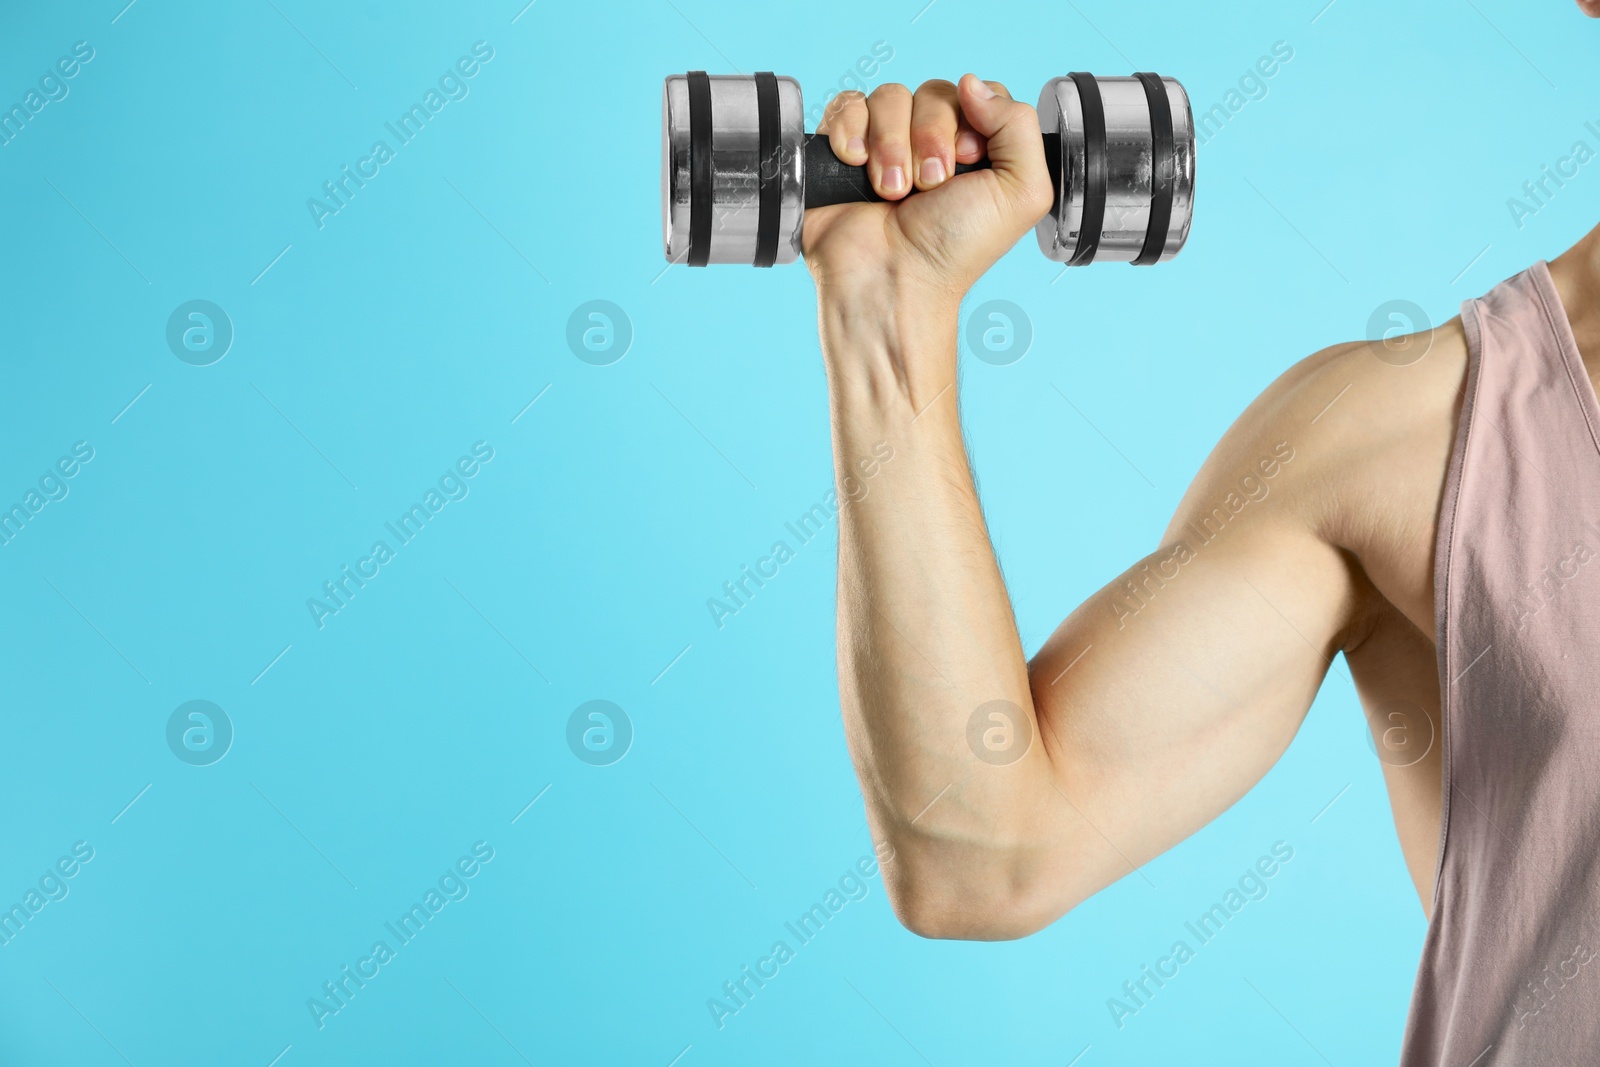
(925, 628)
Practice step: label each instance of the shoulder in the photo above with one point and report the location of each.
(1363, 433)
(1378, 420)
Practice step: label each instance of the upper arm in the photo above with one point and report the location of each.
(1169, 693)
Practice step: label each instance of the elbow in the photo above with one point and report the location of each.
(943, 927)
(958, 910)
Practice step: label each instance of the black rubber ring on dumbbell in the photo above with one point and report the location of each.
(1094, 169)
(1163, 170)
(699, 168)
(768, 170)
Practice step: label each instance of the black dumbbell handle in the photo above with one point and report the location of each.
(831, 181)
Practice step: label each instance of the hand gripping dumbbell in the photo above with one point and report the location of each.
(738, 169)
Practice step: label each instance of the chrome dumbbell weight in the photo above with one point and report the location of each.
(738, 169)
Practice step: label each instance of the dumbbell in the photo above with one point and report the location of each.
(738, 169)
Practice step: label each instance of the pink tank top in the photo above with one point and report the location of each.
(1510, 972)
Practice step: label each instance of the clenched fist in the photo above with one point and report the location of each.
(945, 237)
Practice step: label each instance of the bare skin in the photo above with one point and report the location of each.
(1150, 712)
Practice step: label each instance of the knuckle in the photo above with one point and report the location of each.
(930, 140)
(846, 110)
(937, 87)
(890, 92)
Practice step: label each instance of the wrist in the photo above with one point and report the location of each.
(887, 346)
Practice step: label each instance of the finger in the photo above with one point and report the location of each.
(845, 123)
(1016, 151)
(969, 142)
(888, 140)
(970, 149)
(935, 120)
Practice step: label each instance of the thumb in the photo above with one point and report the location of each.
(1016, 150)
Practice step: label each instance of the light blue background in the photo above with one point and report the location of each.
(428, 313)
